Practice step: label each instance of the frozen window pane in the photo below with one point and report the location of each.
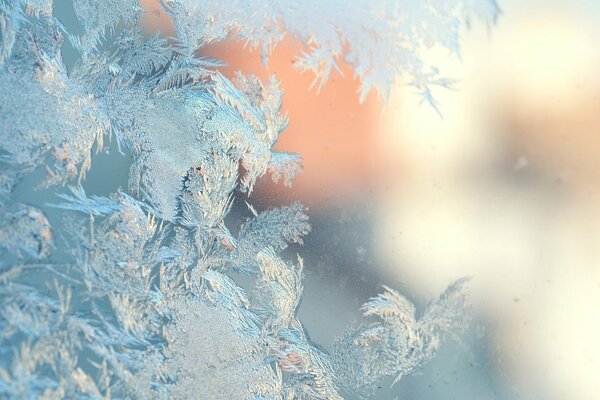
(151, 291)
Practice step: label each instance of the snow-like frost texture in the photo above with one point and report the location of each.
(233, 361)
(135, 294)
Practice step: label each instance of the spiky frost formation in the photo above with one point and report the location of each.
(382, 40)
(397, 343)
(132, 295)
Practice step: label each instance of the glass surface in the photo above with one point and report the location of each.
(496, 181)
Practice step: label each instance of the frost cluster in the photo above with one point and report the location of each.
(133, 295)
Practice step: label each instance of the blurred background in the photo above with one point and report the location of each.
(504, 188)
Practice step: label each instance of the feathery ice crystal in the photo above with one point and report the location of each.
(133, 295)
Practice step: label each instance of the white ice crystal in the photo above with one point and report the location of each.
(382, 40)
(397, 343)
(135, 294)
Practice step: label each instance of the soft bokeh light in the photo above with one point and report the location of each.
(504, 189)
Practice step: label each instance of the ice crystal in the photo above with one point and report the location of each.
(25, 232)
(233, 361)
(397, 343)
(135, 294)
(381, 40)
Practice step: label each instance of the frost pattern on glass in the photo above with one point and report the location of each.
(397, 343)
(133, 295)
(382, 40)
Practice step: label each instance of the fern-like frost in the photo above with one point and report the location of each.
(136, 294)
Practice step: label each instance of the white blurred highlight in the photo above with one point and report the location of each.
(505, 189)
